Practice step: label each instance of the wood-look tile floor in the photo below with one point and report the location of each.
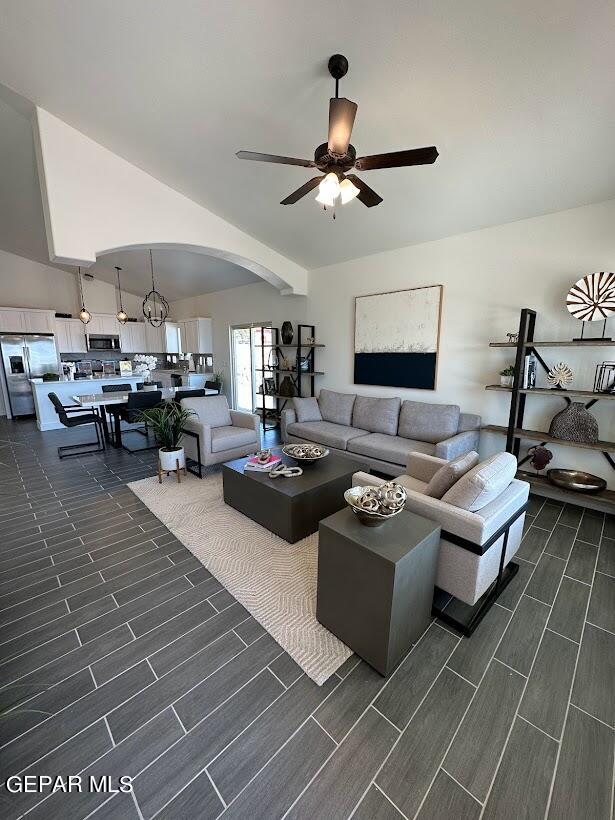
(129, 658)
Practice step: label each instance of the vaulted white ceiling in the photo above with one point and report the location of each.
(518, 96)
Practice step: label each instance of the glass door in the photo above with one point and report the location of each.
(249, 358)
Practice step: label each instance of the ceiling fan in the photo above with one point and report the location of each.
(337, 156)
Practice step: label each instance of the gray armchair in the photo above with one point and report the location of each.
(216, 433)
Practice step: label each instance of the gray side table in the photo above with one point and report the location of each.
(376, 584)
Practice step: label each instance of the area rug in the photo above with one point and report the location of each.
(274, 580)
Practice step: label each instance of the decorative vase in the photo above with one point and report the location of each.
(287, 388)
(169, 458)
(575, 423)
(506, 381)
(287, 333)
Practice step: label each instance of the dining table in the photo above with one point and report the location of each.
(98, 401)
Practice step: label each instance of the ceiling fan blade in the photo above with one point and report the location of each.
(341, 119)
(366, 194)
(398, 159)
(301, 192)
(253, 155)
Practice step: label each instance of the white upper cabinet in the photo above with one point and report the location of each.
(132, 337)
(18, 320)
(103, 324)
(38, 321)
(155, 339)
(70, 336)
(196, 336)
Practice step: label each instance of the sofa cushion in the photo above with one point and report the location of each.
(307, 410)
(393, 449)
(376, 415)
(211, 410)
(411, 483)
(229, 438)
(449, 473)
(325, 432)
(428, 422)
(336, 407)
(483, 484)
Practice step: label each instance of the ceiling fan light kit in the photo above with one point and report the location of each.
(336, 157)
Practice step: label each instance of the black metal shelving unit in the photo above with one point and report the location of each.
(303, 377)
(515, 431)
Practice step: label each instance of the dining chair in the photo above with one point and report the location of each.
(195, 393)
(213, 386)
(64, 414)
(116, 388)
(131, 413)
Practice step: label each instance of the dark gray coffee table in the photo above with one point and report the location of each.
(376, 584)
(290, 507)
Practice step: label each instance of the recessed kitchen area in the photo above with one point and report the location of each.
(101, 333)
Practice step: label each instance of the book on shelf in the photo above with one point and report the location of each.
(529, 372)
(262, 467)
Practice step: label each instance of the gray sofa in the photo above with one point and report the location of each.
(381, 431)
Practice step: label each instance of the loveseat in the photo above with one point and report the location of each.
(381, 432)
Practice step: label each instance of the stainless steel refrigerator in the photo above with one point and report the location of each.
(26, 356)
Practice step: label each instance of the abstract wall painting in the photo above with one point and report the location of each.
(397, 336)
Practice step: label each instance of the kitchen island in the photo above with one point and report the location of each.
(46, 416)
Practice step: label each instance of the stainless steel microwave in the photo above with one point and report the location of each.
(97, 342)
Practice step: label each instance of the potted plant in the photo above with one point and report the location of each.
(168, 421)
(218, 378)
(507, 376)
(144, 365)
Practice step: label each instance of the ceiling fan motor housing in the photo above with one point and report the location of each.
(338, 66)
(336, 163)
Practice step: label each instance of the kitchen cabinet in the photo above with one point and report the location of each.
(171, 330)
(103, 324)
(196, 336)
(17, 320)
(70, 336)
(132, 337)
(155, 339)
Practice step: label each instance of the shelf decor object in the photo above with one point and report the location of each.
(286, 332)
(560, 376)
(397, 336)
(605, 378)
(592, 299)
(577, 480)
(515, 431)
(574, 423)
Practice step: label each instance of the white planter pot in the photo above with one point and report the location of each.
(506, 381)
(169, 459)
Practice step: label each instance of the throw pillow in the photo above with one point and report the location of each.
(483, 484)
(450, 473)
(307, 410)
(336, 407)
(423, 421)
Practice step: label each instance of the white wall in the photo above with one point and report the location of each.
(24, 283)
(488, 276)
(259, 302)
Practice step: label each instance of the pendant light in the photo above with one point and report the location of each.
(121, 315)
(155, 306)
(84, 314)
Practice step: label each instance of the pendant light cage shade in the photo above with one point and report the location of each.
(84, 314)
(121, 315)
(155, 306)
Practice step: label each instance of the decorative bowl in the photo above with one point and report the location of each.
(577, 480)
(375, 505)
(305, 453)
